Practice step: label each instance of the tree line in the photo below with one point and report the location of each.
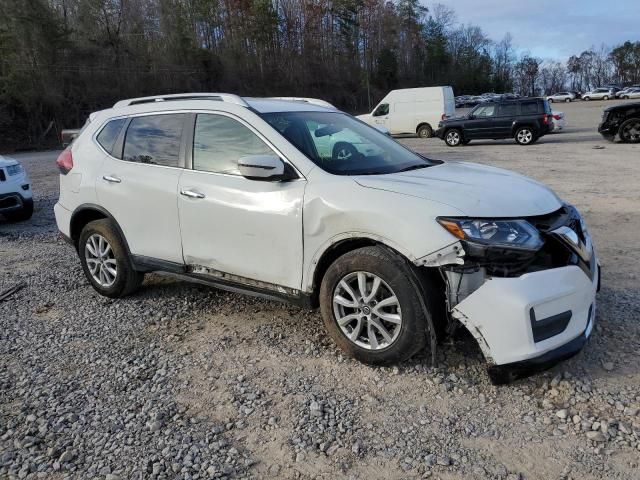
(61, 59)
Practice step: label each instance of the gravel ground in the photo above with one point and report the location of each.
(184, 381)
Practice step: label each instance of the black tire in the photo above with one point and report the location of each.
(525, 136)
(396, 272)
(453, 137)
(425, 131)
(567, 100)
(606, 97)
(21, 215)
(626, 97)
(550, 100)
(586, 99)
(343, 151)
(629, 131)
(127, 279)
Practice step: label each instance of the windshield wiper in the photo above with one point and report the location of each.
(414, 167)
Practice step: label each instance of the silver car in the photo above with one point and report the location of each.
(598, 94)
(631, 93)
(562, 97)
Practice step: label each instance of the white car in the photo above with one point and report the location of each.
(558, 121)
(16, 201)
(562, 97)
(396, 249)
(631, 93)
(598, 94)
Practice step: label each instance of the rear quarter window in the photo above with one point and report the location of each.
(109, 134)
(528, 108)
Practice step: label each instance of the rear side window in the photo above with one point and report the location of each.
(508, 110)
(527, 108)
(154, 139)
(109, 134)
(219, 142)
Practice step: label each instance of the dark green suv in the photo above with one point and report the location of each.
(525, 120)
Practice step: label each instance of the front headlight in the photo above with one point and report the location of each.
(500, 233)
(14, 169)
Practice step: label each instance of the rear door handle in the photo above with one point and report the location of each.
(111, 179)
(191, 194)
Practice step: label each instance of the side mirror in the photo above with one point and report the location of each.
(261, 167)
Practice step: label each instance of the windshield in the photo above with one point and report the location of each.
(342, 145)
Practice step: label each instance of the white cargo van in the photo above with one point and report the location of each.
(413, 111)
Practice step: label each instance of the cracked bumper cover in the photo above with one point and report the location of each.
(500, 313)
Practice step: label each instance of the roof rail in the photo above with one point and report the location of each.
(313, 101)
(221, 97)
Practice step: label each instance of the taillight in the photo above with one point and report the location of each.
(545, 119)
(557, 117)
(443, 116)
(65, 161)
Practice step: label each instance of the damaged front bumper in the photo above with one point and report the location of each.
(526, 311)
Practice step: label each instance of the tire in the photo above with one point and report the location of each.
(550, 100)
(606, 97)
(21, 215)
(453, 137)
(343, 151)
(567, 100)
(424, 131)
(397, 281)
(629, 131)
(126, 279)
(586, 99)
(626, 97)
(525, 136)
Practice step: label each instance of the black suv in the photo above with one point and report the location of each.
(622, 120)
(525, 120)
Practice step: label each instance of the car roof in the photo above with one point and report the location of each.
(271, 105)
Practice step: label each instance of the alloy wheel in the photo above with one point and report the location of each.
(631, 132)
(525, 136)
(367, 310)
(101, 260)
(453, 137)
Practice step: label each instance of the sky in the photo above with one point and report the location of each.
(552, 29)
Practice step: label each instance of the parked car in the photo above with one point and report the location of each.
(16, 201)
(413, 111)
(557, 121)
(525, 120)
(631, 93)
(392, 246)
(598, 94)
(622, 121)
(623, 91)
(561, 97)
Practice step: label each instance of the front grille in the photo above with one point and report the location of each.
(3, 177)
(9, 202)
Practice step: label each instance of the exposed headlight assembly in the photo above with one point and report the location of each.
(513, 234)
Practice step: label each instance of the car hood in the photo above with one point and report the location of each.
(476, 190)
(6, 161)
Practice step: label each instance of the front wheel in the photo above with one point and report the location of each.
(525, 136)
(606, 97)
(626, 97)
(551, 100)
(586, 99)
(629, 131)
(453, 137)
(567, 100)
(105, 261)
(424, 131)
(371, 306)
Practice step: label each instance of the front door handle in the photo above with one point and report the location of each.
(191, 194)
(111, 179)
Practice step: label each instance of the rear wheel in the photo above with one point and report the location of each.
(371, 306)
(567, 100)
(551, 100)
(425, 131)
(525, 136)
(586, 99)
(453, 137)
(606, 97)
(629, 131)
(105, 261)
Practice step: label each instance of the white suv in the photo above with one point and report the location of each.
(395, 249)
(16, 201)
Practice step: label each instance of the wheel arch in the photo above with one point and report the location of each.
(90, 212)
(423, 124)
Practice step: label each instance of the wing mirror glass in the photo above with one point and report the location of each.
(261, 167)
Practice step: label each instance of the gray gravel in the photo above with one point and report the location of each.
(183, 381)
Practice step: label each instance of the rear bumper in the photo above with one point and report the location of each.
(63, 220)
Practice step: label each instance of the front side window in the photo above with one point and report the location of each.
(485, 111)
(342, 145)
(219, 142)
(109, 134)
(383, 109)
(155, 140)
